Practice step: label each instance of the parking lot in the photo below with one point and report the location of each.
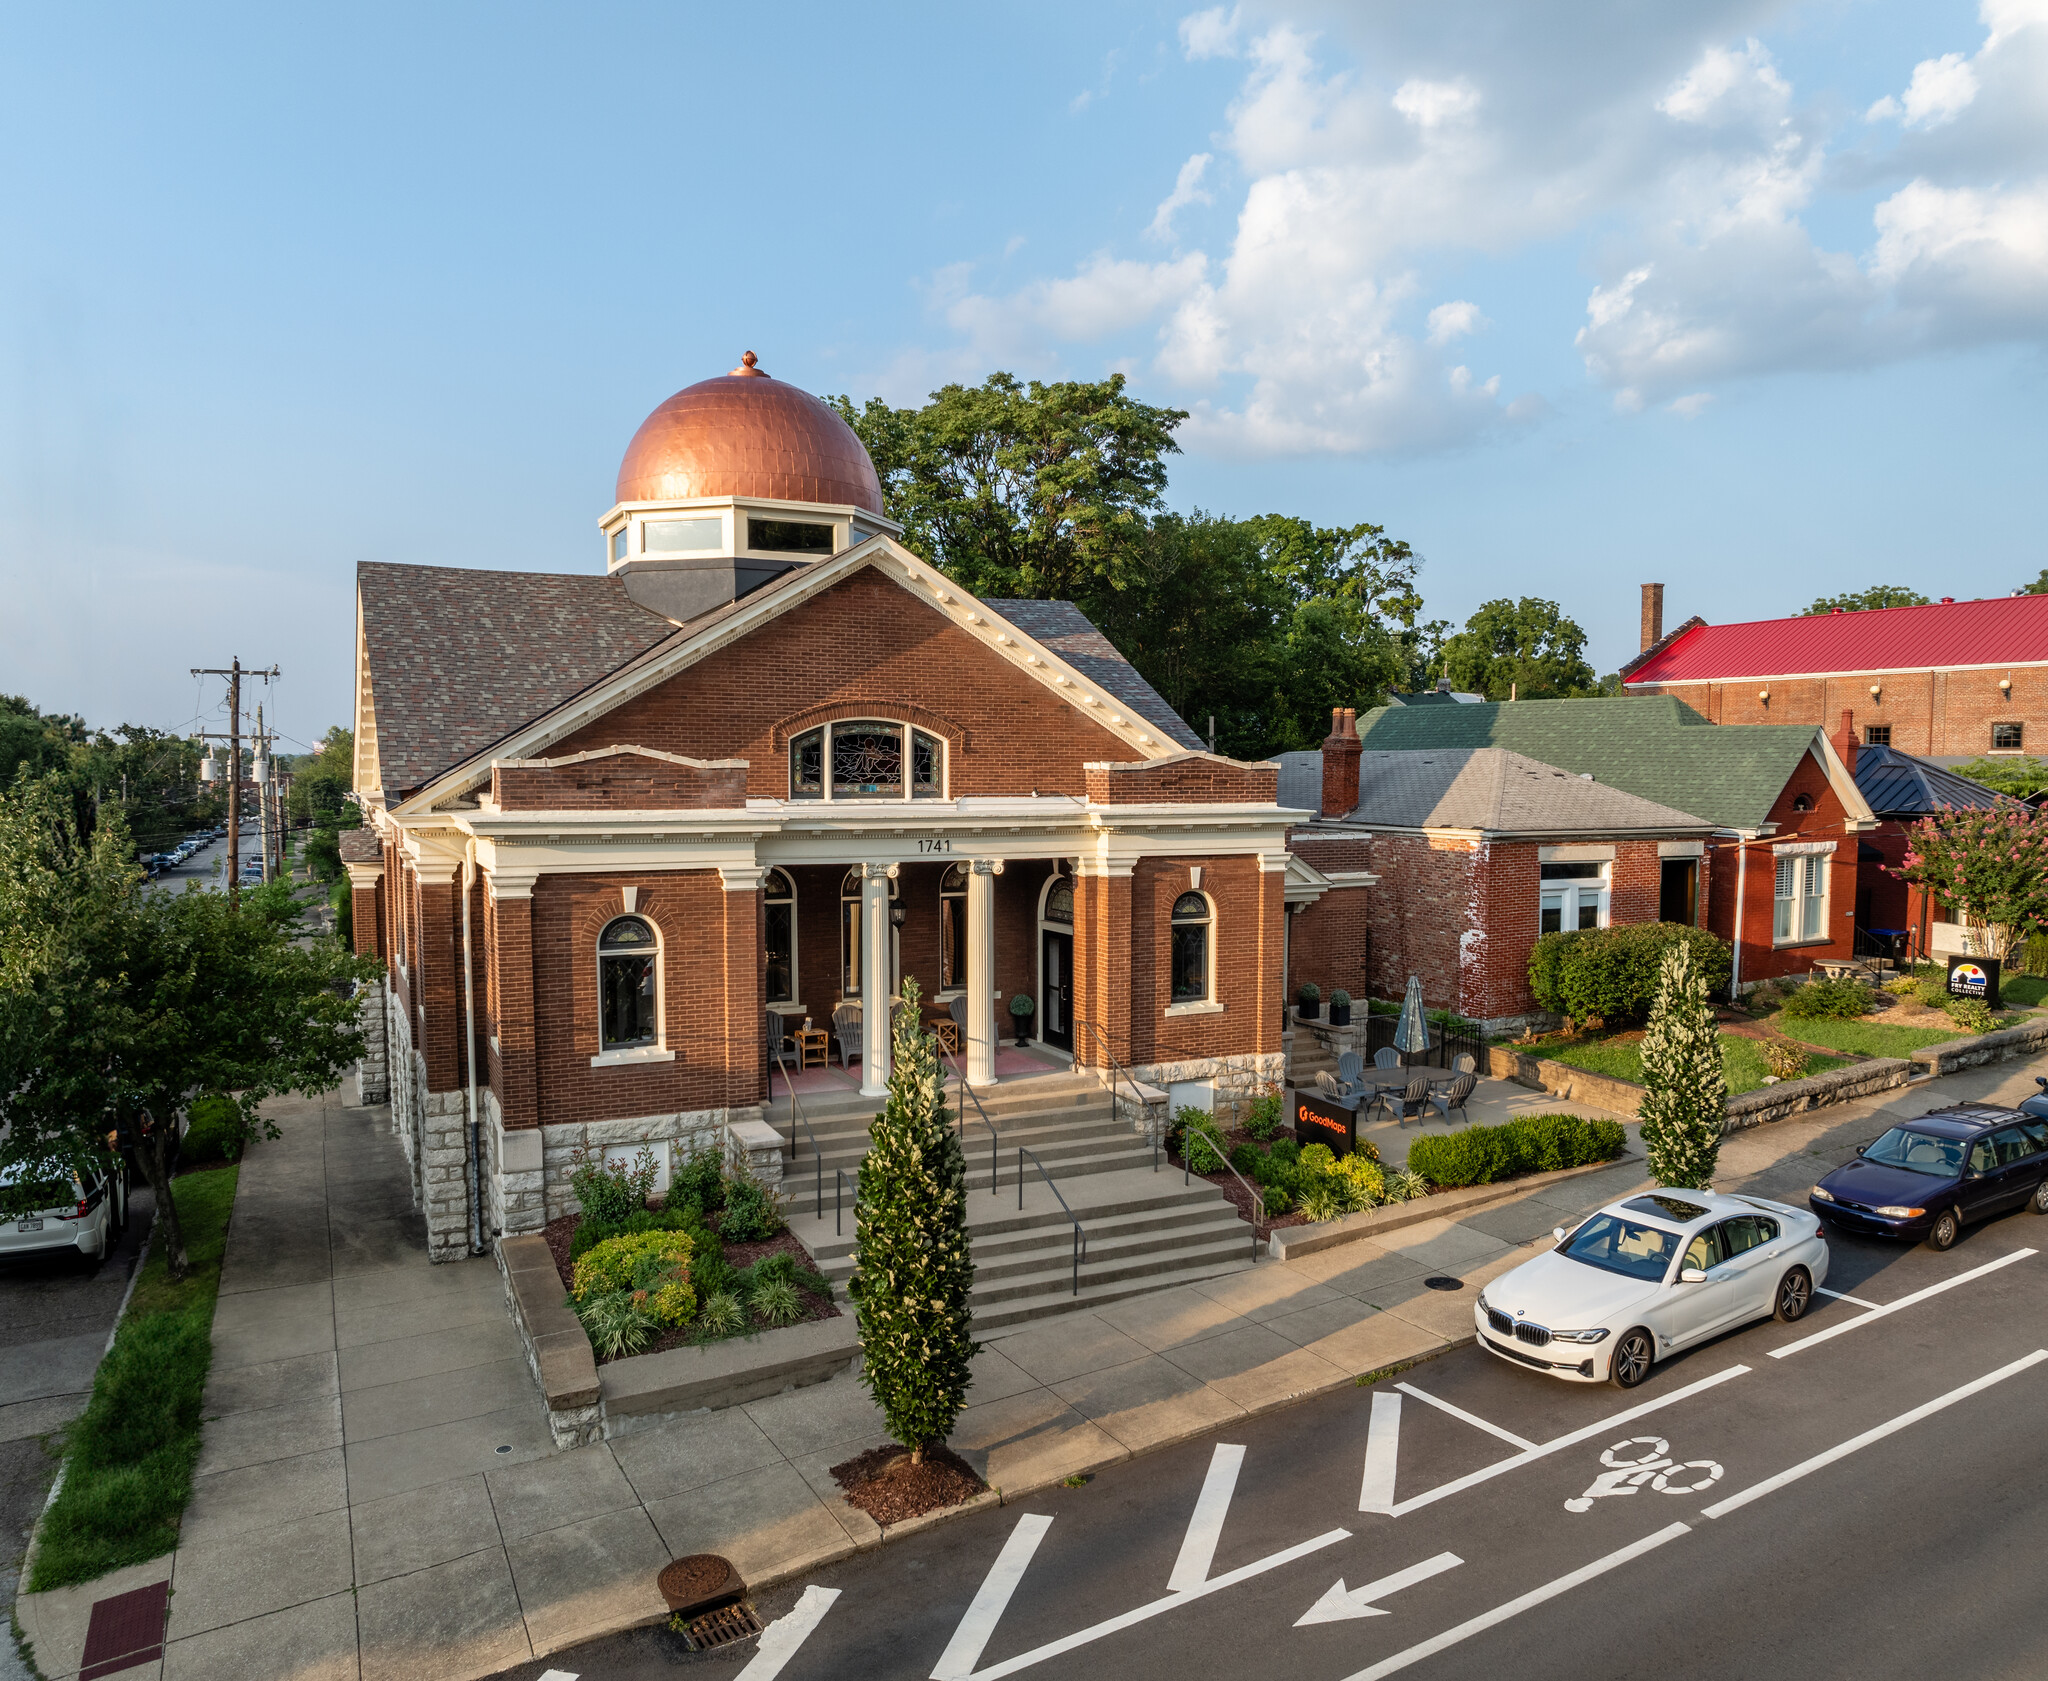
(1853, 1493)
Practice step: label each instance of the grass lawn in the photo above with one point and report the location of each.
(1742, 1060)
(128, 1460)
(1865, 1038)
(2023, 992)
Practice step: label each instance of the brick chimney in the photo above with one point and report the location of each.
(1653, 616)
(1340, 763)
(1845, 744)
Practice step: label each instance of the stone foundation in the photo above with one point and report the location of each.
(373, 1073)
(514, 1180)
(431, 1128)
(685, 1133)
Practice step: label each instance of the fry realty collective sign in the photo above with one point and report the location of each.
(1974, 977)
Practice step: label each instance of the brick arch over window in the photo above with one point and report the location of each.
(955, 735)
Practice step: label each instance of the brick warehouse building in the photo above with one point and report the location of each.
(768, 757)
(1950, 682)
(1485, 826)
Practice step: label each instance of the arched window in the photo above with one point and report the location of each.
(865, 759)
(1059, 902)
(953, 928)
(1191, 917)
(628, 984)
(850, 932)
(778, 894)
(1802, 802)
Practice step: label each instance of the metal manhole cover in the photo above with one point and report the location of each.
(698, 1582)
(1440, 1282)
(729, 1623)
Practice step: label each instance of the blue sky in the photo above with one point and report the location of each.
(1746, 298)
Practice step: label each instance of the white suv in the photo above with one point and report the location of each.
(81, 1209)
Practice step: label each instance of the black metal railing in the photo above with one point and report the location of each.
(1376, 1033)
(1251, 1190)
(1080, 1236)
(840, 1175)
(1119, 1074)
(960, 1111)
(797, 1119)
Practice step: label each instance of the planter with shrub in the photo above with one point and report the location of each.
(1308, 999)
(1021, 1010)
(1340, 1008)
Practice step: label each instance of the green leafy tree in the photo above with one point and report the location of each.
(1525, 648)
(119, 1006)
(1685, 1098)
(1862, 601)
(1990, 865)
(2038, 587)
(2019, 777)
(915, 1269)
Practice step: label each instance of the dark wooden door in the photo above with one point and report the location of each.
(1678, 896)
(1056, 991)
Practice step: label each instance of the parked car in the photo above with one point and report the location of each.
(74, 1208)
(1644, 1278)
(1925, 1179)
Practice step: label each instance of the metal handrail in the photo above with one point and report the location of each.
(1080, 1235)
(1258, 1202)
(796, 1118)
(967, 1092)
(1117, 1072)
(839, 1177)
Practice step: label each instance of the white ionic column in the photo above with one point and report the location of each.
(874, 979)
(981, 970)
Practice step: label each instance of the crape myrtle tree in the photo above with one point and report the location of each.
(914, 1268)
(1685, 1096)
(119, 1003)
(1992, 865)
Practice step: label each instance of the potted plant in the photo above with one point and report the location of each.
(1021, 1008)
(1340, 1008)
(1309, 998)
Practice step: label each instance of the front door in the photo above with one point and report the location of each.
(1056, 991)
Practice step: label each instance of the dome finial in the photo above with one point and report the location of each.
(746, 369)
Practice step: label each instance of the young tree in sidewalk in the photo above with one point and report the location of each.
(914, 1266)
(1686, 1089)
(120, 1004)
(1991, 865)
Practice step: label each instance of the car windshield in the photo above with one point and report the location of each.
(1918, 1152)
(1614, 1244)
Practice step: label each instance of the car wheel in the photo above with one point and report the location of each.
(1943, 1233)
(1633, 1355)
(2038, 1202)
(1795, 1291)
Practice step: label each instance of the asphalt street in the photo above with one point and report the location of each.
(1853, 1494)
(55, 1313)
(208, 866)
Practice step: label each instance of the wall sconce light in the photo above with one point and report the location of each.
(898, 916)
(2005, 685)
(1764, 695)
(1875, 690)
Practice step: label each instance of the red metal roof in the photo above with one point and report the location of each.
(1950, 635)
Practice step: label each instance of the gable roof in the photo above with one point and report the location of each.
(1899, 785)
(1068, 632)
(462, 657)
(1501, 792)
(1653, 746)
(1951, 635)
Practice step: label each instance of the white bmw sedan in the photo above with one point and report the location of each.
(1643, 1278)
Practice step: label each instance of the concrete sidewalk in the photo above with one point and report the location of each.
(378, 1499)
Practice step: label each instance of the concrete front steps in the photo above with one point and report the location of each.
(1145, 1230)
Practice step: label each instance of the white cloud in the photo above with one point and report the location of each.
(1690, 406)
(1940, 91)
(1454, 320)
(1426, 104)
(1210, 34)
(1728, 85)
(1187, 190)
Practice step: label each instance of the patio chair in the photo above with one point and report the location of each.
(1453, 1096)
(846, 1026)
(779, 1038)
(1386, 1057)
(1465, 1065)
(1415, 1096)
(1350, 1068)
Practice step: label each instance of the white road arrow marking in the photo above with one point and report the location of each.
(964, 1650)
(1205, 1528)
(1342, 1602)
(1382, 1452)
(781, 1638)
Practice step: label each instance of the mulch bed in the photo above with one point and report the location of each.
(1240, 1197)
(884, 1484)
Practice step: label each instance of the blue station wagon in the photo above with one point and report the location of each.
(1925, 1179)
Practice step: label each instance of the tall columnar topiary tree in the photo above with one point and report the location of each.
(1686, 1095)
(915, 1269)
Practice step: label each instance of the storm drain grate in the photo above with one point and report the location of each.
(722, 1627)
(1440, 1282)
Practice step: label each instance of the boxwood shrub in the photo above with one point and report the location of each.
(1530, 1144)
(1820, 999)
(1612, 972)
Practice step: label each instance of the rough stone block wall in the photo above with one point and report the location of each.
(444, 1175)
(684, 1132)
(373, 1073)
(517, 1198)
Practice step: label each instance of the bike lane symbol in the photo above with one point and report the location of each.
(1651, 1463)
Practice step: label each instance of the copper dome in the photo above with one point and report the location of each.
(745, 434)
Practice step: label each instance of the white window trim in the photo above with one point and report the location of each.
(1038, 957)
(958, 989)
(658, 1051)
(1805, 859)
(795, 971)
(1574, 889)
(1206, 1004)
(825, 795)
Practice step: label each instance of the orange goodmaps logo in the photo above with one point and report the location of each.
(1302, 1112)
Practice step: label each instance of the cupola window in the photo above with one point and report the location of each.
(866, 756)
(789, 536)
(619, 538)
(682, 536)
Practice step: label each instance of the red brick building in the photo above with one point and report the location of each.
(766, 757)
(1951, 681)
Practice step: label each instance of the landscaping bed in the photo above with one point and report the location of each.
(883, 1482)
(1618, 1056)
(1300, 1185)
(129, 1459)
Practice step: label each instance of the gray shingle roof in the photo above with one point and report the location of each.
(1491, 789)
(460, 659)
(1896, 784)
(1301, 779)
(1654, 746)
(1064, 628)
(361, 846)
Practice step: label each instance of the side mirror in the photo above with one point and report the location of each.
(1692, 1275)
(1558, 1233)
(1861, 1148)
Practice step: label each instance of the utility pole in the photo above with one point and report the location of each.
(262, 779)
(234, 673)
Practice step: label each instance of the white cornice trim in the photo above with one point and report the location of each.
(590, 753)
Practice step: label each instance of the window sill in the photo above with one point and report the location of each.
(1793, 945)
(639, 1053)
(1196, 1007)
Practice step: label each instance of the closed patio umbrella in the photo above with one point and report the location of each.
(1411, 1033)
